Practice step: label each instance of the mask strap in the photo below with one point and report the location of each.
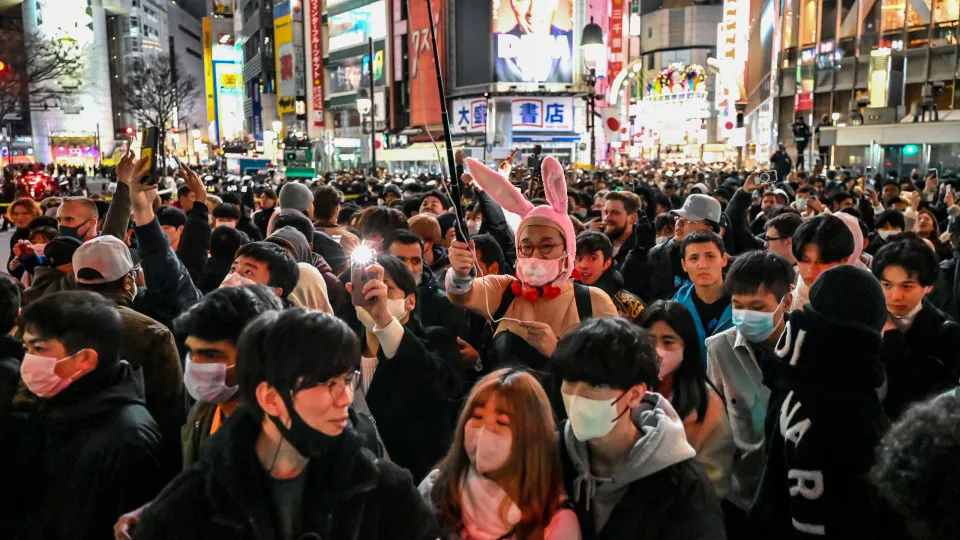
(614, 404)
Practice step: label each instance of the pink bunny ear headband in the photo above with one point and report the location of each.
(509, 197)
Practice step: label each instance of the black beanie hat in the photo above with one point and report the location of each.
(848, 294)
(59, 251)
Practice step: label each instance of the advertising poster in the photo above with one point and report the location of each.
(223, 7)
(616, 39)
(348, 76)
(424, 96)
(316, 62)
(533, 41)
(357, 25)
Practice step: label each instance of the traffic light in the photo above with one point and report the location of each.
(129, 130)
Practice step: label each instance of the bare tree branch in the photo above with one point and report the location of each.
(39, 72)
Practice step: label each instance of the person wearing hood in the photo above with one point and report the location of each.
(595, 263)
(825, 418)
(224, 243)
(311, 289)
(542, 302)
(89, 448)
(759, 284)
(268, 205)
(290, 462)
(819, 244)
(627, 465)
(434, 309)
(920, 343)
(306, 252)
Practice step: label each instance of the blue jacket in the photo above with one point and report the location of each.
(685, 297)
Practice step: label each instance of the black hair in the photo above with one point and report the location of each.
(785, 224)
(916, 473)
(702, 237)
(225, 241)
(489, 251)
(281, 348)
(663, 221)
(326, 199)
(442, 197)
(780, 210)
(43, 221)
(689, 381)
(183, 191)
(295, 219)
(756, 268)
(891, 217)
(9, 304)
(171, 216)
(399, 272)
(621, 355)
(79, 320)
(665, 201)
(829, 233)
(226, 211)
(402, 236)
(48, 232)
(284, 272)
(590, 242)
(222, 314)
(383, 221)
(912, 254)
(269, 194)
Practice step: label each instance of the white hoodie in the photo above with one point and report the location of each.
(662, 443)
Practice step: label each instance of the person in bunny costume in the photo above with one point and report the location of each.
(546, 302)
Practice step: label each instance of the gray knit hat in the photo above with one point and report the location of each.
(296, 196)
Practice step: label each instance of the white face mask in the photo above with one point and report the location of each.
(234, 279)
(488, 451)
(473, 227)
(207, 382)
(669, 361)
(396, 306)
(886, 234)
(663, 239)
(591, 418)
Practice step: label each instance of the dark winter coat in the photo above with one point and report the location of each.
(739, 233)
(170, 291)
(654, 275)
(415, 399)
(643, 237)
(921, 362)
(226, 495)
(945, 295)
(823, 425)
(435, 309)
(18, 234)
(47, 280)
(84, 457)
(194, 247)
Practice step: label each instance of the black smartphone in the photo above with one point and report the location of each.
(933, 172)
(149, 145)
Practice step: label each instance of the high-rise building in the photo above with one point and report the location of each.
(253, 22)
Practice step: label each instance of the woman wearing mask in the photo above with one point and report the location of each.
(501, 479)
(411, 379)
(683, 383)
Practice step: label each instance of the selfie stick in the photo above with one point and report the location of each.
(455, 186)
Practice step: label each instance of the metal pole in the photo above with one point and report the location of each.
(373, 116)
(592, 81)
(99, 157)
(445, 118)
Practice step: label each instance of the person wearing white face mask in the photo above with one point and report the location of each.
(627, 464)
(411, 379)
(501, 478)
(682, 381)
(101, 448)
(888, 224)
(759, 285)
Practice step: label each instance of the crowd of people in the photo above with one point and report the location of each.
(668, 351)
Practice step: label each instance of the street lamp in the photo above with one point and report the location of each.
(365, 107)
(593, 49)
(196, 140)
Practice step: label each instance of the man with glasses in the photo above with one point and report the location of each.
(289, 462)
(659, 274)
(780, 235)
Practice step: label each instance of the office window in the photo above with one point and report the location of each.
(849, 9)
(828, 20)
(790, 17)
(918, 23)
(892, 18)
(946, 10)
(808, 22)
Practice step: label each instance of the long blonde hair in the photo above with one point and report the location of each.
(533, 468)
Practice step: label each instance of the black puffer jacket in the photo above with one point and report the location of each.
(226, 495)
(83, 458)
(435, 309)
(655, 274)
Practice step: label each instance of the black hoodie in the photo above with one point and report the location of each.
(823, 423)
(628, 304)
(84, 457)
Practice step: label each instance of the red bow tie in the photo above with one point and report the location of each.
(532, 294)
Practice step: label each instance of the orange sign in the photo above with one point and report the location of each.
(424, 96)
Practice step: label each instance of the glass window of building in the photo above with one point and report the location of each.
(790, 16)
(828, 20)
(808, 22)
(945, 15)
(870, 35)
(892, 14)
(918, 23)
(848, 18)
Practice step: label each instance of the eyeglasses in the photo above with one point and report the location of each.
(545, 249)
(337, 386)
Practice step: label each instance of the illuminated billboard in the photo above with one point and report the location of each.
(533, 41)
(351, 74)
(356, 26)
